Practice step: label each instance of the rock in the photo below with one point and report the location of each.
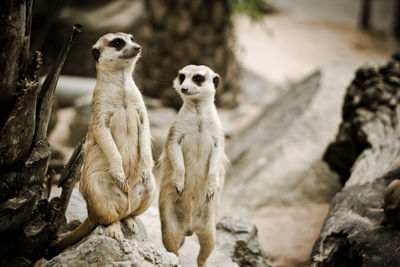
(101, 250)
(282, 149)
(257, 93)
(353, 233)
(237, 244)
(373, 91)
(238, 240)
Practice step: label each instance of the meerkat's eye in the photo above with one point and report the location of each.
(181, 77)
(198, 79)
(132, 39)
(118, 43)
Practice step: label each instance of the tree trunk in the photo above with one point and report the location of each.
(188, 32)
(396, 25)
(365, 14)
(14, 48)
(367, 150)
(27, 220)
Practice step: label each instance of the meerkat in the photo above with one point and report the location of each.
(193, 164)
(117, 181)
(391, 203)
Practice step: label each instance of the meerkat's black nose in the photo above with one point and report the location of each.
(137, 48)
(184, 90)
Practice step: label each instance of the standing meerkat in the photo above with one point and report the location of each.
(117, 181)
(193, 164)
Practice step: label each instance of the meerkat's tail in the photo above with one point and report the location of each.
(72, 237)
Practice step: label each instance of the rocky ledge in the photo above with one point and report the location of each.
(237, 244)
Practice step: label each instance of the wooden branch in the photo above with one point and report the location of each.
(353, 234)
(46, 95)
(70, 176)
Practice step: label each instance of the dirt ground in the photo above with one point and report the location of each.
(284, 47)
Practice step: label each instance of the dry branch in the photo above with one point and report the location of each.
(46, 95)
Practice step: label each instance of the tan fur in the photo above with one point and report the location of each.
(117, 181)
(193, 166)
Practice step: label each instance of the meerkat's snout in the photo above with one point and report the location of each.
(184, 90)
(131, 52)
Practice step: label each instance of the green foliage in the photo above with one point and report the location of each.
(250, 8)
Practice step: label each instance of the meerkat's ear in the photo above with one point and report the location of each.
(96, 53)
(216, 80)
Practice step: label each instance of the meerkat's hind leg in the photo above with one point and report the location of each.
(130, 222)
(207, 239)
(115, 231)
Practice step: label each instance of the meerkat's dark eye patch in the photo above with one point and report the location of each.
(132, 39)
(118, 43)
(181, 77)
(198, 79)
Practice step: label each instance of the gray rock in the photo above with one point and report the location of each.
(237, 244)
(238, 240)
(282, 149)
(367, 148)
(97, 249)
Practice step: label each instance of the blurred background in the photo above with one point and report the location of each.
(285, 66)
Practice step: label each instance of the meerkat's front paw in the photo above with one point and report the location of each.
(120, 179)
(210, 193)
(179, 188)
(146, 174)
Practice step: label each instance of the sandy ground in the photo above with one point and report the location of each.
(284, 47)
(289, 232)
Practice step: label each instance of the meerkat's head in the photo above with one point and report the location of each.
(116, 50)
(196, 83)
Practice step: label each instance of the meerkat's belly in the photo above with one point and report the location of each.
(124, 125)
(196, 152)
